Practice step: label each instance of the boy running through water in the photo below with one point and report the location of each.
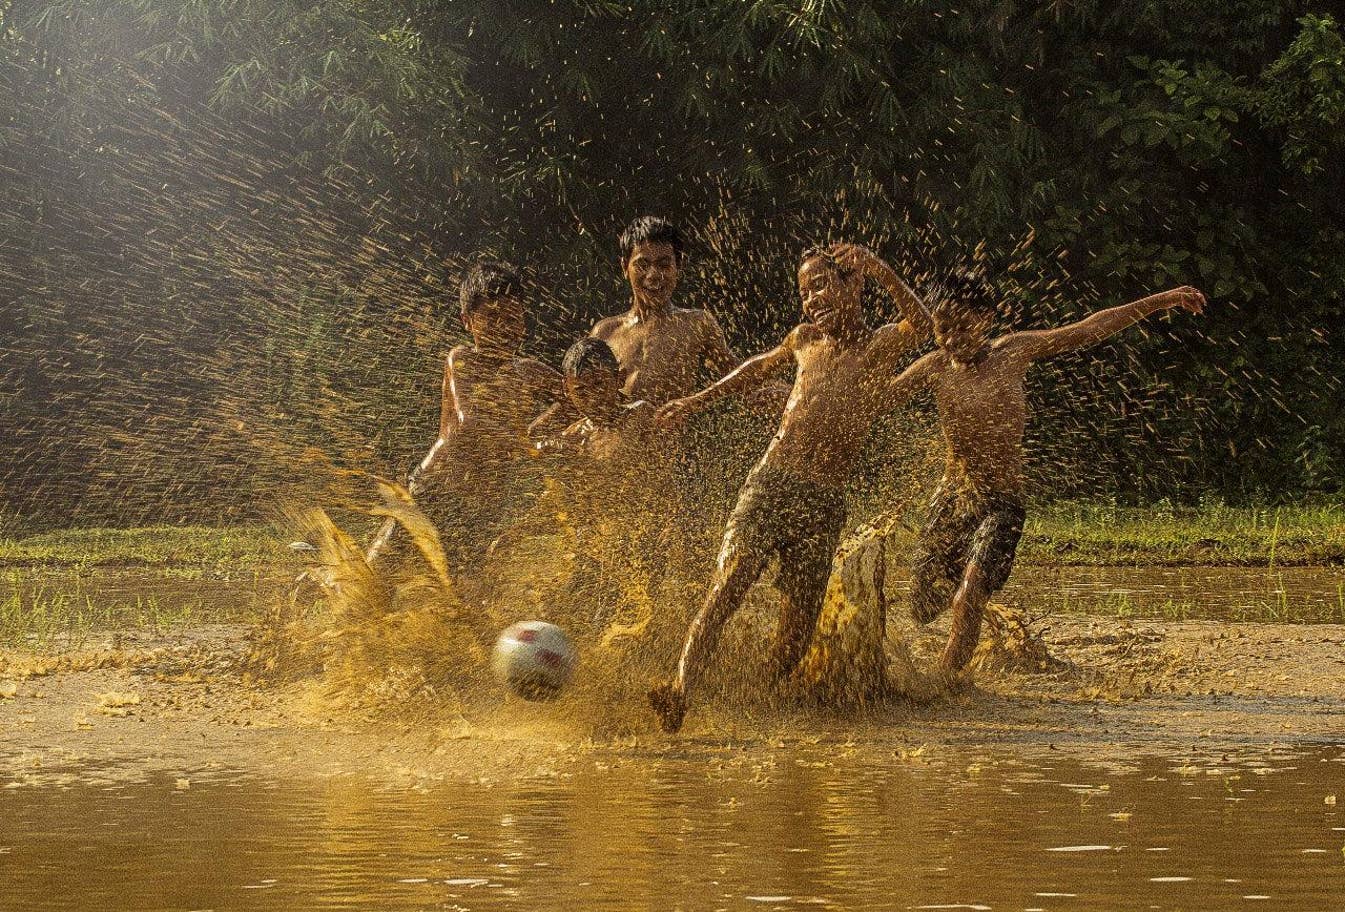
(793, 504)
(490, 396)
(976, 516)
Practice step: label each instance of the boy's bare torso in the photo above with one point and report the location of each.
(983, 412)
(837, 394)
(625, 441)
(492, 402)
(663, 355)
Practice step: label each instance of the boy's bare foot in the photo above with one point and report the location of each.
(670, 704)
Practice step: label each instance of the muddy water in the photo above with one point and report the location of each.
(699, 827)
(1284, 595)
(1290, 594)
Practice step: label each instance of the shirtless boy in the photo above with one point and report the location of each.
(976, 516)
(611, 430)
(793, 504)
(664, 351)
(490, 397)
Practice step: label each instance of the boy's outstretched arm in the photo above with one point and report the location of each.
(752, 373)
(1044, 343)
(715, 350)
(916, 377)
(865, 261)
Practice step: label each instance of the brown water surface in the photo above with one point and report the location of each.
(697, 826)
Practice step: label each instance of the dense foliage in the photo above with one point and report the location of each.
(228, 226)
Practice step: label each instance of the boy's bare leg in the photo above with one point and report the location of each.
(735, 574)
(968, 608)
(803, 589)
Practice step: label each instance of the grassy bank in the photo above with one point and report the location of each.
(1060, 534)
(187, 550)
(1092, 535)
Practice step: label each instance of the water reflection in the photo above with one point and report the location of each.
(842, 826)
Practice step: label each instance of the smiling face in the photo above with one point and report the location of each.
(830, 293)
(497, 323)
(652, 271)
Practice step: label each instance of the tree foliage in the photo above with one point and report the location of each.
(202, 197)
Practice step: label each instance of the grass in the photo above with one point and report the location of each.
(1100, 535)
(186, 551)
(54, 585)
(1274, 605)
(38, 612)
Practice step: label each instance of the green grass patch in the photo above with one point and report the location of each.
(189, 550)
(1094, 535)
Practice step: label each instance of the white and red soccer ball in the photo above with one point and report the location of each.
(534, 659)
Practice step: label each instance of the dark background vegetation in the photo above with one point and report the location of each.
(230, 229)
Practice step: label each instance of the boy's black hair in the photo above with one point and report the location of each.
(651, 229)
(962, 290)
(589, 354)
(821, 252)
(485, 279)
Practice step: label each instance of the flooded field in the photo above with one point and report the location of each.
(62, 607)
(831, 825)
(1286, 594)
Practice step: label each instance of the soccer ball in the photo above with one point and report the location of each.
(534, 659)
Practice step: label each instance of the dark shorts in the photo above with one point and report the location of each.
(791, 518)
(962, 529)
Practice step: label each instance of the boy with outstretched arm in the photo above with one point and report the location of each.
(976, 517)
(491, 396)
(793, 504)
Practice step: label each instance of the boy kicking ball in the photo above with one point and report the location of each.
(792, 506)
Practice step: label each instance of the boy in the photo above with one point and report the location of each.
(976, 516)
(793, 504)
(624, 501)
(490, 396)
(611, 431)
(663, 350)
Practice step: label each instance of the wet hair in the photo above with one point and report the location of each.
(961, 291)
(650, 229)
(589, 354)
(486, 279)
(819, 252)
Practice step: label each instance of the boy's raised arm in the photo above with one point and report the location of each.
(752, 373)
(1044, 343)
(864, 260)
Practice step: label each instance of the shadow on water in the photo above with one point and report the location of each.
(830, 825)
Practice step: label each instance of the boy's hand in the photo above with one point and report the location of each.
(676, 411)
(1189, 299)
(859, 258)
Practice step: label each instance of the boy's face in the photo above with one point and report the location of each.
(962, 333)
(830, 294)
(652, 271)
(594, 392)
(497, 323)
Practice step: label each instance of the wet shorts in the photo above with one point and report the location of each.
(961, 529)
(797, 520)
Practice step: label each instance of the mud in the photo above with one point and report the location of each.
(182, 702)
